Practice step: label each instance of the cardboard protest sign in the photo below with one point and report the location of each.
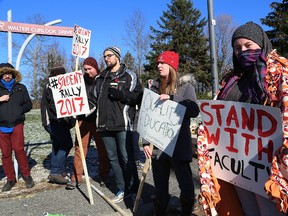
(81, 42)
(69, 94)
(242, 139)
(159, 122)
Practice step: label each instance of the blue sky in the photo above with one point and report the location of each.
(107, 19)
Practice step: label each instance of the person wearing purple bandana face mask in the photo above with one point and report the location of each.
(258, 76)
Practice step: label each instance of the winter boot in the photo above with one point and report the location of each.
(8, 186)
(159, 210)
(29, 182)
(187, 206)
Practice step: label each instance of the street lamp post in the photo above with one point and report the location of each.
(213, 56)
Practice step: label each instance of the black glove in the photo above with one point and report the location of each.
(116, 93)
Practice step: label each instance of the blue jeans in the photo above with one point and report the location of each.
(115, 144)
(61, 146)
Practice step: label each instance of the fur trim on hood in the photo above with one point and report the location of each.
(16, 74)
(187, 78)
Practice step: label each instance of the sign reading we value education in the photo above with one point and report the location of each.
(69, 94)
(242, 139)
(159, 122)
(81, 42)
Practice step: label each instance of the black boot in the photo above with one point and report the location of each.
(187, 206)
(8, 186)
(159, 210)
(29, 182)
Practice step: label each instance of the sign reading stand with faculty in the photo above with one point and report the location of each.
(69, 94)
(242, 139)
(160, 121)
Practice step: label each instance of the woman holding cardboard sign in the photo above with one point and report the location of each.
(169, 87)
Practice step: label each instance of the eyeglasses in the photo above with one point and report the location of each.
(108, 56)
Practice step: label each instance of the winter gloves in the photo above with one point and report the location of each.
(116, 94)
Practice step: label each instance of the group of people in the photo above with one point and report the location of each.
(258, 76)
(112, 95)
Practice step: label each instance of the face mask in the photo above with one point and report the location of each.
(248, 57)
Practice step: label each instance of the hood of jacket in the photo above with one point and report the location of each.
(187, 78)
(14, 72)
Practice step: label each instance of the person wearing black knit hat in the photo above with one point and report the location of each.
(117, 91)
(14, 103)
(259, 76)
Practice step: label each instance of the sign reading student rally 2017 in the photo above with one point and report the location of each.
(81, 42)
(69, 94)
(160, 121)
(242, 139)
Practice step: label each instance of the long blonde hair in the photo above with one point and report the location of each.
(169, 86)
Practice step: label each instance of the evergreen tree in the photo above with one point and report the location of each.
(278, 20)
(182, 30)
(129, 61)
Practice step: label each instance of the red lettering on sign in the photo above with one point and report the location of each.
(247, 137)
(232, 132)
(261, 114)
(217, 108)
(269, 150)
(213, 138)
(69, 106)
(71, 79)
(232, 116)
(248, 122)
(202, 106)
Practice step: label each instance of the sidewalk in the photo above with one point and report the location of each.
(51, 199)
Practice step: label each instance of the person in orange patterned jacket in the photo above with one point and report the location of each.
(259, 76)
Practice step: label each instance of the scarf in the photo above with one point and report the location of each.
(254, 73)
(8, 85)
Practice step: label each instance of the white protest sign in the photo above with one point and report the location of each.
(69, 94)
(242, 139)
(81, 42)
(159, 122)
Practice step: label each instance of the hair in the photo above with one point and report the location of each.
(169, 86)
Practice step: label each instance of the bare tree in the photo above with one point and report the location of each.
(223, 33)
(33, 55)
(137, 39)
(39, 51)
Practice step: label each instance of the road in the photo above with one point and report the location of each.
(51, 199)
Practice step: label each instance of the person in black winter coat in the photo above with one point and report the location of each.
(59, 130)
(169, 87)
(14, 103)
(118, 91)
